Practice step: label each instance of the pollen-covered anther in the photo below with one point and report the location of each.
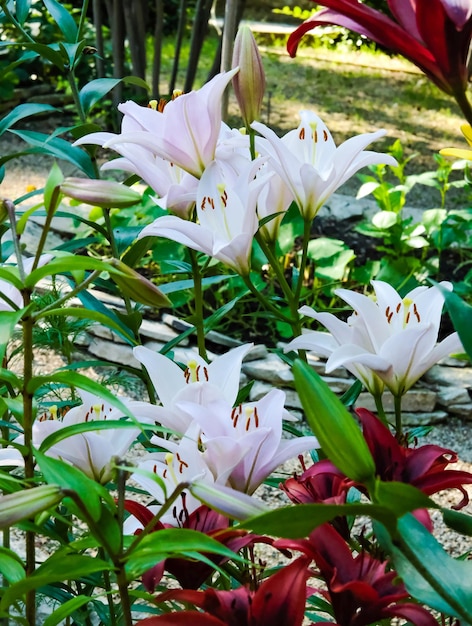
(235, 413)
(301, 134)
(182, 463)
(388, 314)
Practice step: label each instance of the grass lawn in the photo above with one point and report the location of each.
(355, 91)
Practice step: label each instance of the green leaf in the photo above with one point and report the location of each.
(69, 477)
(63, 19)
(74, 379)
(401, 498)
(92, 303)
(94, 91)
(416, 552)
(51, 189)
(22, 9)
(11, 566)
(333, 425)
(8, 321)
(295, 522)
(94, 316)
(83, 427)
(461, 316)
(67, 263)
(65, 610)
(172, 542)
(59, 148)
(384, 219)
(22, 111)
(50, 52)
(58, 568)
(460, 522)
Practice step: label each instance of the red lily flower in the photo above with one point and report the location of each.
(435, 35)
(322, 482)
(280, 601)
(359, 589)
(191, 574)
(423, 467)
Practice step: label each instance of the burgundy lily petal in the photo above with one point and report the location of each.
(182, 618)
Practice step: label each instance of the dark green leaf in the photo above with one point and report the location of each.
(65, 610)
(63, 19)
(11, 566)
(8, 321)
(22, 9)
(461, 316)
(21, 111)
(94, 91)
(460, 522)
(417, 554)
(58, 148)
(401, 498)
(58, 568)
(295, 522)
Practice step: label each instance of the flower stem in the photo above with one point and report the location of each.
(198, 297)
(464, 104)
(398, 415)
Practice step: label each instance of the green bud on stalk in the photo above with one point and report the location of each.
(102, 193)
(20, 505)
(137, 287)
(249, 82)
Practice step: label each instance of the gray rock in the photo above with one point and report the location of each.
(452, 395)
(160, 332)
(114, 352)
(421, 419)
(439, 375)
(414, 401)
(271, 369)
(462, 410)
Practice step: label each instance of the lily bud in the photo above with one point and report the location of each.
(249, 82)
(137, 287)
(102, 193)
(234, 504)
(20, 505)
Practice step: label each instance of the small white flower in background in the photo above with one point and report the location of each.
(200, 382)
(308, 160)
(391, 340)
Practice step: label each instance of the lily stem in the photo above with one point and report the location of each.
(198, 297)
(398, 415)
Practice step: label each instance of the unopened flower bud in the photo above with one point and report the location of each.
(249, 82)
(137, 287)
(20, 505)
(102, 193)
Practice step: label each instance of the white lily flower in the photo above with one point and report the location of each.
(244, 444)
(308, 160)
(226, 212)
(183, 463)
(392, 339)
(185, 132)
(94, 450)
(200, 382)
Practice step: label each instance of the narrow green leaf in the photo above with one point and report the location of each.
(11, 566)
(75, 379)
(460, 522)
(69, 477)
(94, 316)
(8, 321)
(67, 263)
(83, 427)
(59, 148)
(451, 577)
(93, 92)
(295, 522)
(63, 19)
(339, 435)
(51, 190)
(461, 316)
(22, 111)
(58, 568)
(66, 610)
(172, 542)
(401, 498)
(47, 51)
(22, 9)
